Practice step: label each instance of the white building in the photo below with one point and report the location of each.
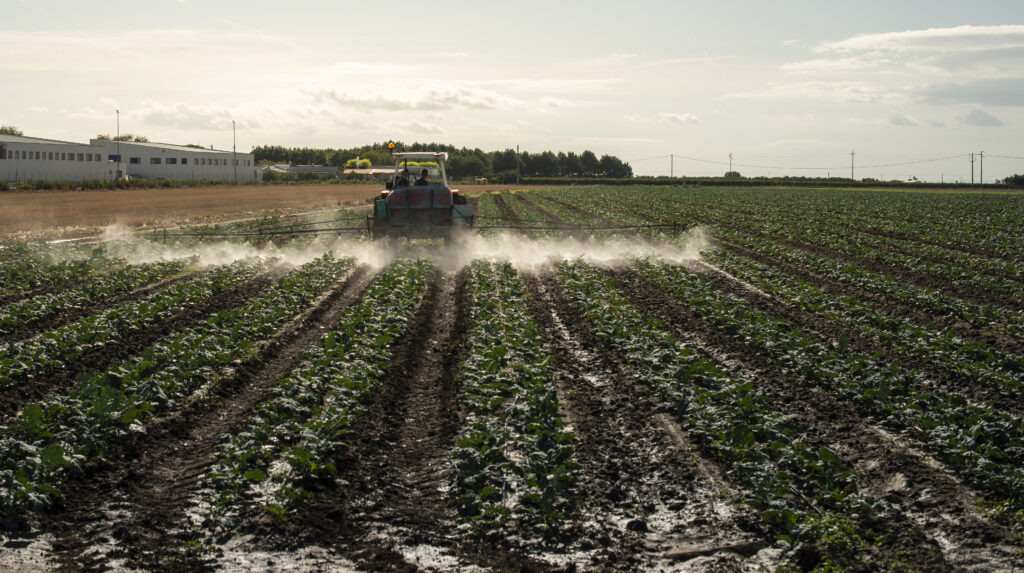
(33, 159)
(168, 161)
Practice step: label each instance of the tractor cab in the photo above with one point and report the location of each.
(415, 203)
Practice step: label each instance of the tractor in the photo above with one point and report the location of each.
(409, 208)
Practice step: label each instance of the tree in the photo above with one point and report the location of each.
(589, 164)
(733, 175)
(468, 165)
(611, 166)
(504, 161)
(10, 130)
(363, 163)
(124, 137)
(569, 165)
(1015, 181)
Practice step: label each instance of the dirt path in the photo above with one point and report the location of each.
(133, 511)
(935, 523)
(644, 493)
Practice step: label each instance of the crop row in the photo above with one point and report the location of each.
(487, 214)
(54, 439)
(43, 269)
(804, 493)
(944, 350)
(61, 347)
(840, 241)
(984, 445)
(295, 435)
(514, 458)
(24, 313)
(983, 316)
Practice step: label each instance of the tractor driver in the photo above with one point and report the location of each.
(422, 181)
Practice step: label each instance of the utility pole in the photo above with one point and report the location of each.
(234, 155)
(671, 165)
(981, 166)
(118, 137)
(972, 168)
(730, 162)
(851, 165)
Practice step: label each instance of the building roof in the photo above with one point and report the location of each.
(285, 168)
(168, 146)
(4, 138)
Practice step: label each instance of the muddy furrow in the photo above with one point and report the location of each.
(508, 216)
(14, 399)
(935, 522)
(544, 213)
(1003, 400)
(390, 508)
(995, 339)
(37, 328)
(134, 509)
(645, 498)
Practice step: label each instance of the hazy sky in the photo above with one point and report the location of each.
(786, 86)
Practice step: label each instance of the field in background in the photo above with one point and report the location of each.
(748, 379)
(36, 212)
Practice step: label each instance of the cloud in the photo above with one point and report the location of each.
(414, 128)
(979, 118)
(972, 38)
(838, 92)
(857, 63)
(663, 117)
(426, 99)
(902, 65)
(902, 119)
(1000, 92)
(187, 117)
(678, 118)
(551, 104)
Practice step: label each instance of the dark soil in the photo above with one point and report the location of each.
(390, 496)
(149, 478)
(926, 500)
(508, 216)
(14, 399)
(642, 489)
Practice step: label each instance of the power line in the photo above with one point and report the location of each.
(757, 166)
(647, 158)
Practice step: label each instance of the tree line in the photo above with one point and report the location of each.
(462, 162)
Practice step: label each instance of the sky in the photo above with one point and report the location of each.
(788, 87)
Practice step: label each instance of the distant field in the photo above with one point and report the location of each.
(40, 210)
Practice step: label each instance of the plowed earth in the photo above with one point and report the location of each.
(646, 494)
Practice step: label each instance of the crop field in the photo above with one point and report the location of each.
(595, 378)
